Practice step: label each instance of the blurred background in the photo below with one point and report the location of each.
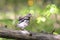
(45, 14)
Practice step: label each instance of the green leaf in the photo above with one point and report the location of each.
(55, 33)
(38, 20)
(1, 39)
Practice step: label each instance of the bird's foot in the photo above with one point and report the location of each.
(22, 29)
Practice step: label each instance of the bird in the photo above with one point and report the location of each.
(24, 21)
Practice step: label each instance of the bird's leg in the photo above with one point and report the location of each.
(22, 29)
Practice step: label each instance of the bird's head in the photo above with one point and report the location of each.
(29, 15)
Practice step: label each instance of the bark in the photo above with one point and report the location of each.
(16, 34)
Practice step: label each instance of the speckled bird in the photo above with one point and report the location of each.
(24, 21)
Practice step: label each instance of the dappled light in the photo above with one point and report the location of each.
(39, 19)
(53, 9)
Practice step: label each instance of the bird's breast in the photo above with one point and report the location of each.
(23, 24)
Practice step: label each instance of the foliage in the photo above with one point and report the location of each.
(40, 19)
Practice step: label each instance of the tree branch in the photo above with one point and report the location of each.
(16, 34)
